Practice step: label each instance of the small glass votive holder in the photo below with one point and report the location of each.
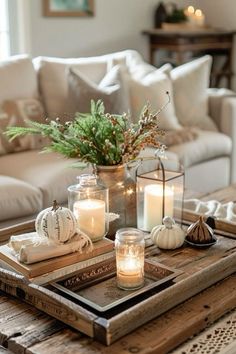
(129, 246)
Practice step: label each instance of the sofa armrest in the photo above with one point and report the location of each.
(216, 98)
(228, 127)
(222, 109)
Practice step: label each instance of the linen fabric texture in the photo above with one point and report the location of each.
(17, 113)
(188, 88)
(18, 198)
(111, 90)
(190, 83)
(53, 81)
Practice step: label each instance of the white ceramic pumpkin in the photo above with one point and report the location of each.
(57, 223)
(168, 236)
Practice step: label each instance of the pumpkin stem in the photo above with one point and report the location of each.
(201, 220)
(55, 205)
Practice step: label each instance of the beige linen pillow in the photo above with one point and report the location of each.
(190, 83)
(18, 78)
(111, 90)
(16, 113)
(147, 84)
(52, 75)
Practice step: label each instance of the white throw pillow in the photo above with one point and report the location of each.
(190, 83)
(111, 90)
(52, 75)
(148, 84)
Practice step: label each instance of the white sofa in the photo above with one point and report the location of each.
(30, 180)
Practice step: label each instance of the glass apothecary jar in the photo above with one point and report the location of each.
(88, 200)
(129, 246)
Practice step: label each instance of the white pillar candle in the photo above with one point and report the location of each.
(90, 215)
(153, 201)
(189, 12)
(199, 18)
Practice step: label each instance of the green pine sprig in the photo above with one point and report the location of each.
(97, 137)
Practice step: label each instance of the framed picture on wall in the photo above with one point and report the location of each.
(64, 8)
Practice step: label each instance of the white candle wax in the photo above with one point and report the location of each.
(189, 12)
(90, 215)
(153, 201)
(130, 272)
(199, 18)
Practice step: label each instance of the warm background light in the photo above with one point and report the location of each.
(191, 9)
(198, 13)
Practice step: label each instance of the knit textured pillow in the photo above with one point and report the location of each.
(16, 113)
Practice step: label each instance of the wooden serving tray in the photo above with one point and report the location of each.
(224, 195)
(97, 287)
(200, 268)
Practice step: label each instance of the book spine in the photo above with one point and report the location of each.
(62, 272)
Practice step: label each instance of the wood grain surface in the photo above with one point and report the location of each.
(224, 195)
(36, 269)
(24, 329)
(200, 268)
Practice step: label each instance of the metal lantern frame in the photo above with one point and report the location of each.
(160, 176)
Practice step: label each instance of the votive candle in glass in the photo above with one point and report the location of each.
(130, 245)
(89, 202)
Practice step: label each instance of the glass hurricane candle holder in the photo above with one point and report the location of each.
(89, 202)
(129, 246)
(160, 190)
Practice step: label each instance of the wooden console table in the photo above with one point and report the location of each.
(210, 41)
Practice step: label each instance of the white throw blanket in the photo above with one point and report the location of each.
(226, 212)
(31, 248)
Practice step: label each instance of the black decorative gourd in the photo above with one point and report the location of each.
(200, 232)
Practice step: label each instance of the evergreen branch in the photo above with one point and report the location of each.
(97, 137)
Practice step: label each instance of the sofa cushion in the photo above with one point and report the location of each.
(16, 113)
(18, 79)
(150, 86)
(190, 83)
(49, 172)
(18, 198)
(180, 136)
(52, 75)
(111, 90)
(143, 69)
(207, 145)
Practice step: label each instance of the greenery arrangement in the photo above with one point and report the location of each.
(176, 15)
(97, 137)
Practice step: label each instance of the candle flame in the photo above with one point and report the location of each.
(191, 9)
(198, 13)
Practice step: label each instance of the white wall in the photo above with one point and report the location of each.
(117, 25)
(222, 14)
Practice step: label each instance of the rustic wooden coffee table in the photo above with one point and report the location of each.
(23, 328)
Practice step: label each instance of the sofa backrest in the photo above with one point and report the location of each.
(52, 75)
(18, 79)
